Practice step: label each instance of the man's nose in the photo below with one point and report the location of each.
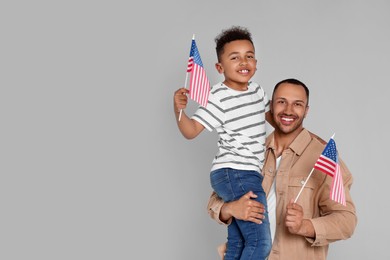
(288, 109)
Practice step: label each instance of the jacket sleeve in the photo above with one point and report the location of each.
(214, 208)
(337, 222)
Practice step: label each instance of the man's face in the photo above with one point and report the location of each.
(289, 108)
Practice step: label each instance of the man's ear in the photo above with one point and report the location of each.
(307, 111)
(219, 68)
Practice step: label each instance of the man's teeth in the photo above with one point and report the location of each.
(287, 119)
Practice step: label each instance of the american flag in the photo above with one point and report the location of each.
(199, 83)
(328, 163)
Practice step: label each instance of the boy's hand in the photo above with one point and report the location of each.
(180, 99)
(189, 128)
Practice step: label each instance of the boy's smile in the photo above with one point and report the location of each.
(238, 64)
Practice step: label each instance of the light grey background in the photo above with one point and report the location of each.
(92, 163)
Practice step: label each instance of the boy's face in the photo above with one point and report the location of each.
(237, 63)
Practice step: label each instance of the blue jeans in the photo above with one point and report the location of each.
(246, 240)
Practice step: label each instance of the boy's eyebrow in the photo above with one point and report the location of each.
(236, 52)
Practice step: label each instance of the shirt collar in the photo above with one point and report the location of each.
(297, 146)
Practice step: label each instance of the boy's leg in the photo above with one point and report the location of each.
(235, 242)
(222, 180)
(257, 237)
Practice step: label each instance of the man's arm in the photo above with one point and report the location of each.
(244, 208)
(337, 221)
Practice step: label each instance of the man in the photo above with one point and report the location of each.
(301, 230)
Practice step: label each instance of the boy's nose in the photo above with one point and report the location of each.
(243, 62)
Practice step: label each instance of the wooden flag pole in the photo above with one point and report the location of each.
(303, 186)
(185, 82)
(308, 177)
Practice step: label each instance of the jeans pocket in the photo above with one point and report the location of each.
(220, 183)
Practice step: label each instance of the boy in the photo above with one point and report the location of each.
(236, 109)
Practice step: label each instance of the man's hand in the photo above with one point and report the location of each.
(294, 217)
(295, 222)
(244, 208)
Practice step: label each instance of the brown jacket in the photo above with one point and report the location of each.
(331, 221)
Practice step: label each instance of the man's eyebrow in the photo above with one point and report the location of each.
(296, 101)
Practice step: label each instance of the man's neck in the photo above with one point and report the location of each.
(283, 141)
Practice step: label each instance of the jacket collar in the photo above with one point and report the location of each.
(297, 146)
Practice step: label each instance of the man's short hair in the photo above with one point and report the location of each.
(294, 82)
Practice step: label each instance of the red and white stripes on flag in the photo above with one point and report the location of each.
(328, 163)
(337, 192)
(190, 64)
(199, 83)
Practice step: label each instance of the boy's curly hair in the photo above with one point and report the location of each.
(232, 34)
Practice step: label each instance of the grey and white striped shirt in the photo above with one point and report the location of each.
(239, 119)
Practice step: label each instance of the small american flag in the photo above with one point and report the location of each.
(199, 83)
(328, 163)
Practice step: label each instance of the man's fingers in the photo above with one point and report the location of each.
(255, 214)
(256, 220)
(251, 195)
(259, 216)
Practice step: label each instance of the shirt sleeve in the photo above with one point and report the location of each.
(214, 208)
(212, 116)
(266, 101)
(337, 222)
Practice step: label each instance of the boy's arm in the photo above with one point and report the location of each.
(188, 127)
(269, 118)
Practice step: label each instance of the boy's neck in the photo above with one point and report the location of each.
(237, 86)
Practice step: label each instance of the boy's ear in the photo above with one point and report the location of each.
(219, 67)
